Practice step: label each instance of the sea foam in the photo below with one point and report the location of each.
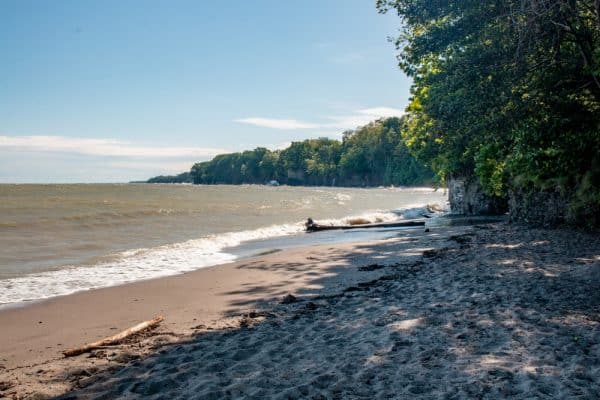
(147, 263)
(134, 265)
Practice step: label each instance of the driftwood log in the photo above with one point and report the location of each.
(116, 339)
(311, 226)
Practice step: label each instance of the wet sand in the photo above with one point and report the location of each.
(485, 311)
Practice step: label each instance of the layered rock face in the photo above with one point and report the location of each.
(541, 208)
(547, 208)
(466, 197)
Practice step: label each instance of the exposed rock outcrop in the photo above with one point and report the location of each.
(541, 208)
(467, 197)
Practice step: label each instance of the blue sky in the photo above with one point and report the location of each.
(112, 91)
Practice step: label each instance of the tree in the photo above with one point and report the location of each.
(507, 91)
(371, 155)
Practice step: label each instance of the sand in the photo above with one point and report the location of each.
(486, 311)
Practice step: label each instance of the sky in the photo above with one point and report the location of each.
(114, 91)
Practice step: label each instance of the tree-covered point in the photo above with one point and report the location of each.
(184, 177)
(372, 155)
(508, 91)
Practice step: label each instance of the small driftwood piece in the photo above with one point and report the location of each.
(116, 339)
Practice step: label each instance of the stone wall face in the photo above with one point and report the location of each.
(542, 208)
(547, 208)
(467, 198)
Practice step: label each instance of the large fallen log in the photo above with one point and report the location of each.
(311, 226)
(116, 339)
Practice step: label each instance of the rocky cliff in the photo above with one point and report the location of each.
(466, 197)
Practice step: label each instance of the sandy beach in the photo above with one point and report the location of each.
(480, 311)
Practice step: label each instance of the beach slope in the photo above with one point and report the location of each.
(484, 311)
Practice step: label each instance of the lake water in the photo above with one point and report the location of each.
(59, 239)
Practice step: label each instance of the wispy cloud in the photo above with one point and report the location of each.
(362, 117)
(166, 167)
(276, 123)
(102, 147)
(278, 146)
(384, 112)
(350, 121)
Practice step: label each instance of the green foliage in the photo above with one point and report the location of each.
(491, 169)
(508, 90)
(372, 155)
(184, 177)
(376, 154)
(585, 208)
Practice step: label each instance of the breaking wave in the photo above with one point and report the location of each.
(177, 258)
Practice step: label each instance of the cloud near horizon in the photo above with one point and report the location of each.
(52, 159)
(102, 147)
(343, 122)
(277, 123)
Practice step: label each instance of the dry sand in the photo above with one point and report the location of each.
(489, 311)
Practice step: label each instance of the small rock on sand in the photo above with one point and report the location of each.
(289, 299)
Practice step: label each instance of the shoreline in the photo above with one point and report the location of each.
(244, 250)
(68, 249)
(210, 298)
(332, 281)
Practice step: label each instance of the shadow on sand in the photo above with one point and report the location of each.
(489, 312)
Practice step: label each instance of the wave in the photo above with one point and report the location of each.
(97, 219)
(371, 217)
(147, 263)
(134, 265)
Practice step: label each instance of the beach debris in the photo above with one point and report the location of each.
(372, 267)
(462, 239)
(309, 224)
(98, 354)
(289, 299)
(253, 317)
(434, 208)
(353, 289)
(484, 227)
(81, 372)
(358, 221)
(245, 322)
(116, 339)
(312, 226)
(435, 253)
